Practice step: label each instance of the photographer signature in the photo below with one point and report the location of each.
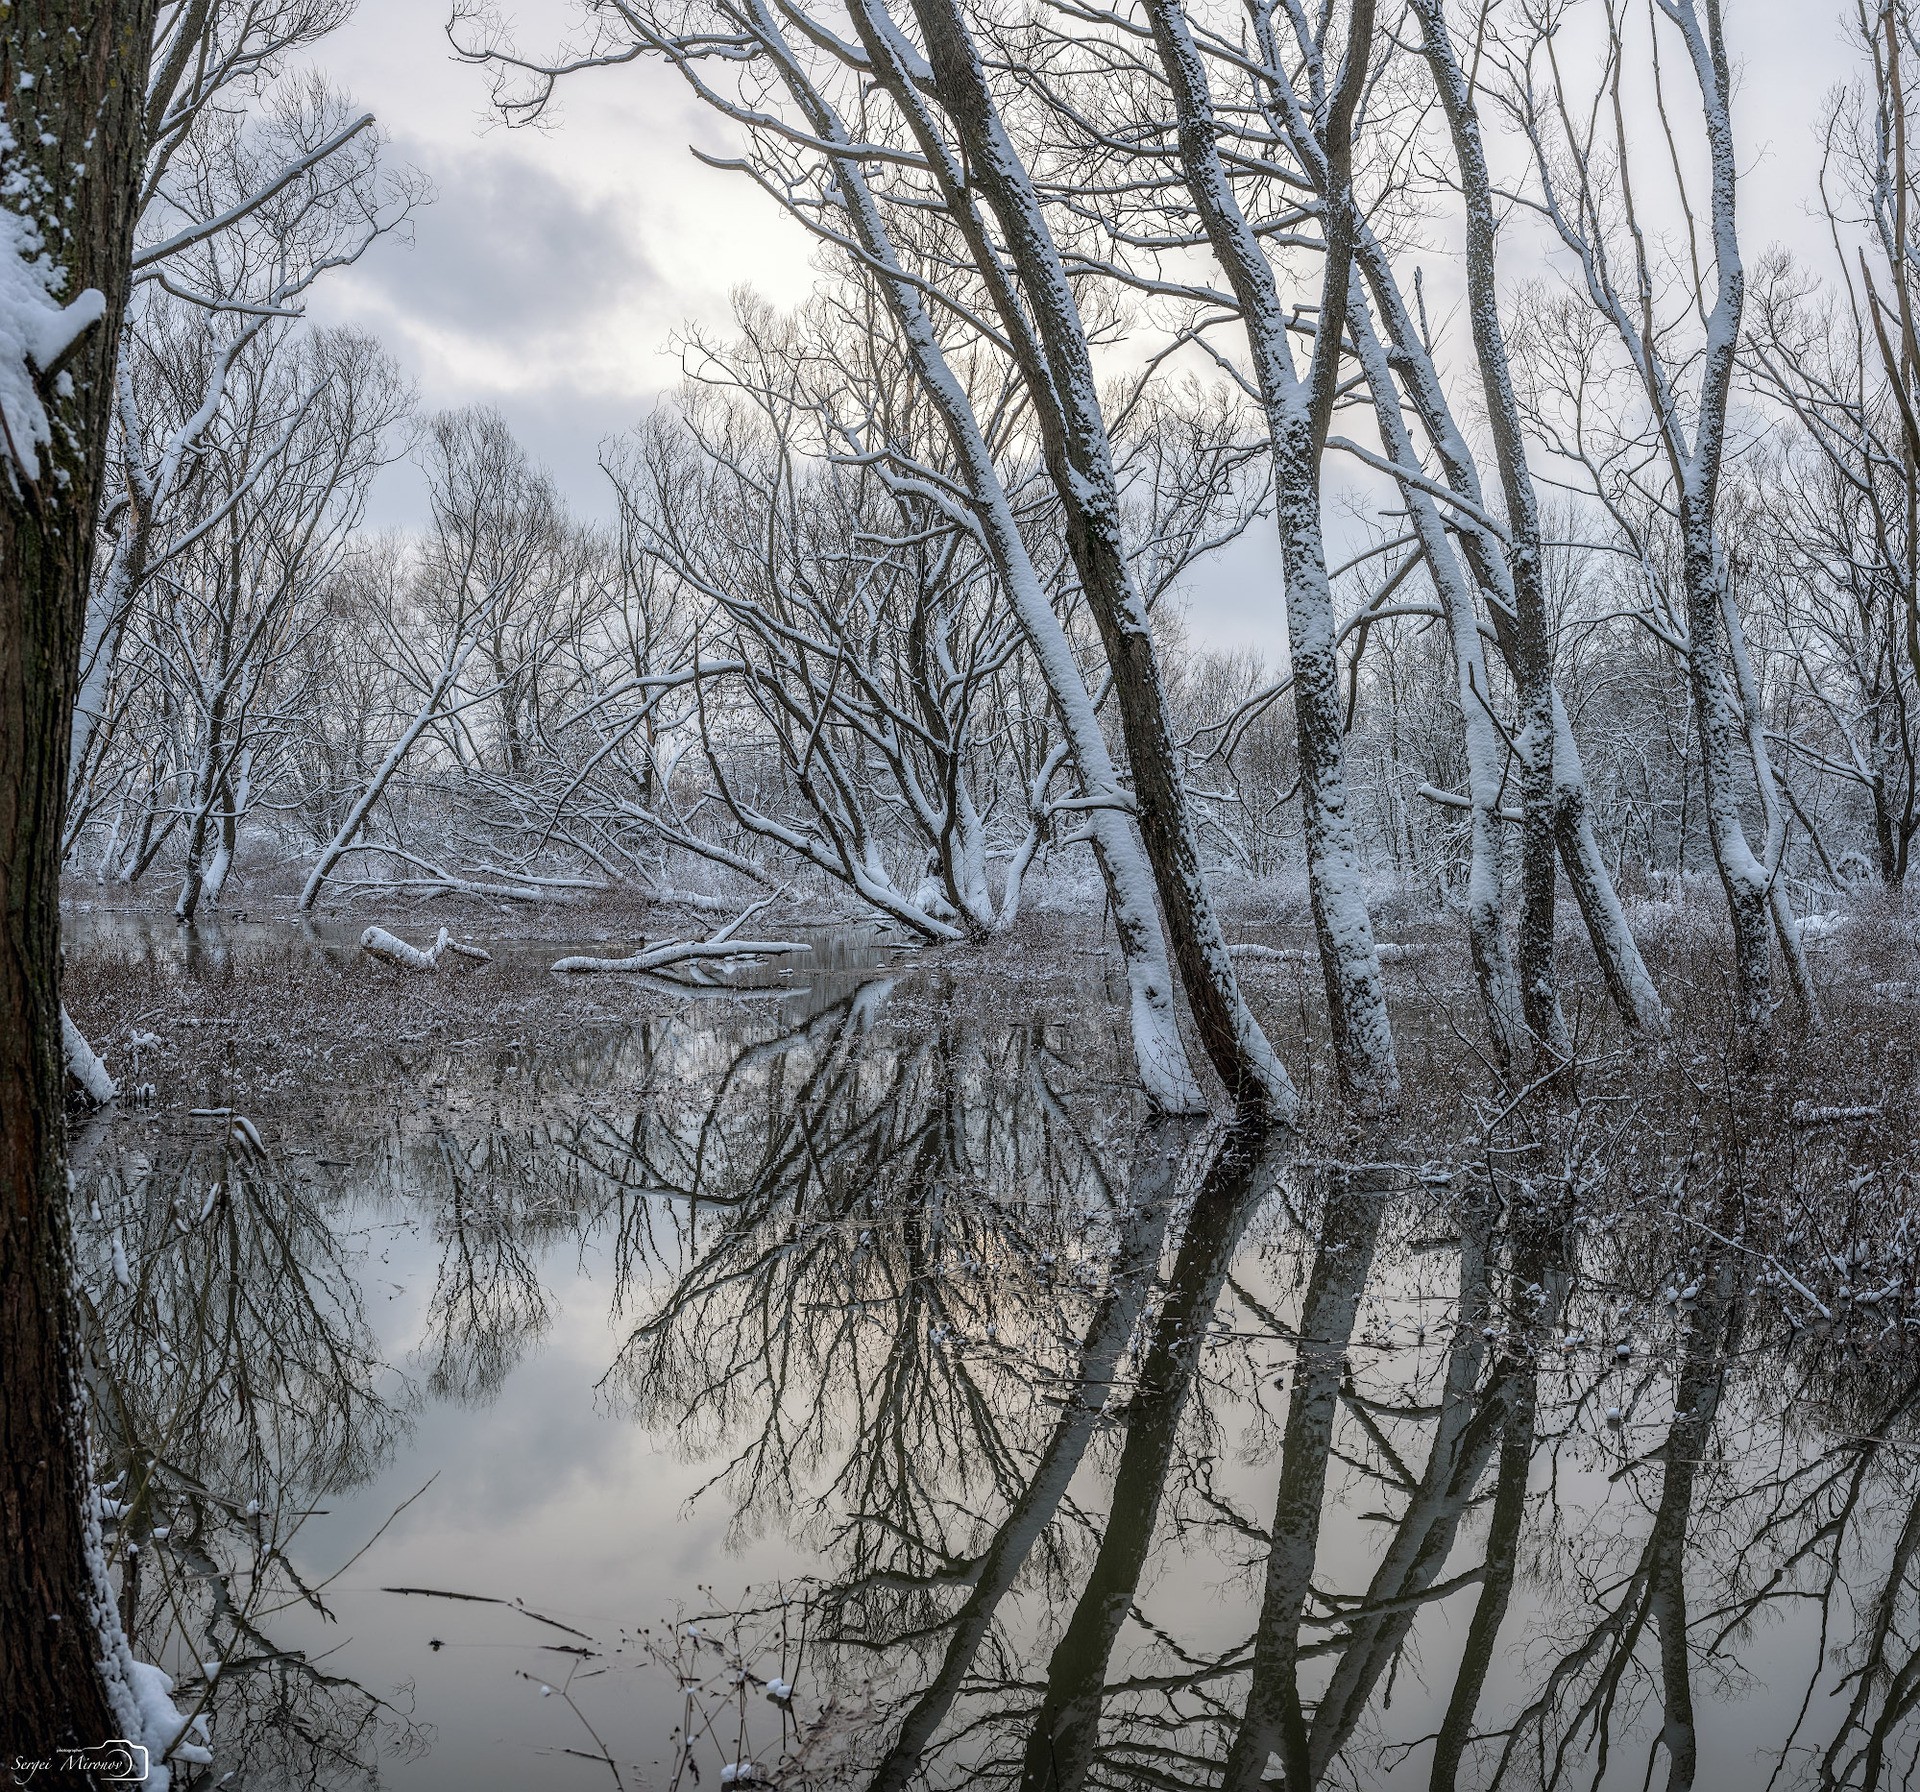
(115, 1761)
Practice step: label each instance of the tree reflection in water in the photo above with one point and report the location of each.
(1108, 1454)
(233, 1382)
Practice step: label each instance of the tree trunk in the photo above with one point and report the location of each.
(1356, 1001)
(1484, 751)
(73, 74)
(1158, 1050)
(1723, 740)
(236, 792)
(1532, 655)
(1057, 367)
(206, 795)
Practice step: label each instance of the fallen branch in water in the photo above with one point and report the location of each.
(525, 1610)
(673, 952)
(395, 950)
(668, 953)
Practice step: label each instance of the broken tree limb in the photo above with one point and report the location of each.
(382, 944)
(672, 952)
(721, 944)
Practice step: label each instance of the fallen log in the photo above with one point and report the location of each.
(88, 1074)
(672, 952)
(668, 953)
(394, 950)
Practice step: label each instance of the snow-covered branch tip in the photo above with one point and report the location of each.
(394, 950)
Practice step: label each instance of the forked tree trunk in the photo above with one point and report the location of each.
(208, 793)
(1628, 979)
(236, 793)
(1296, 409)
(1484, 751)
(1722, 731)
(1535, 745)
(73, 75)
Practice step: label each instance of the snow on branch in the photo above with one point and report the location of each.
(286, 176)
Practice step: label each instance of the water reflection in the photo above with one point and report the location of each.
(233, 1380)
(1085, 1452)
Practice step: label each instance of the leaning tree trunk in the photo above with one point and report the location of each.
(73, 75)
(1056, 364)
(1158, 1051)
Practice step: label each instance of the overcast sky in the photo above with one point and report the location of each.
(554, 265)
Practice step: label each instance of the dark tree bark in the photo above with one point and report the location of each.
(73, 77)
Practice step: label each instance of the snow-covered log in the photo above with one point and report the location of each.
(722, 944)
(673, 952)
(395, 950)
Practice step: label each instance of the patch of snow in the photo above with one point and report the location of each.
(168, 1734)
(35, 328)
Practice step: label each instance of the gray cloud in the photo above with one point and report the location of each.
(507, 251)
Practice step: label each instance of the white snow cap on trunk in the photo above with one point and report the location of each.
(35, 328)
(83, 1064)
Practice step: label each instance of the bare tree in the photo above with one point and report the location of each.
(230, 610)
(1581, 158)
(1038, 326)
(489, 555)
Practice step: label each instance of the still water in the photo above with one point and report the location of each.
(849, 1382)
